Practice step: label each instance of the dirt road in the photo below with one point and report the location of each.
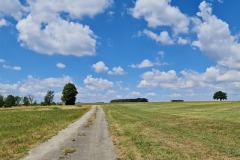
(78, 141)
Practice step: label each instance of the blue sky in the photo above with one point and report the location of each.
(158, 49)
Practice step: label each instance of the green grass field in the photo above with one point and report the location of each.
(189, 130)
(23, 128)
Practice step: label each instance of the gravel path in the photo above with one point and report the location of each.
(78, 141)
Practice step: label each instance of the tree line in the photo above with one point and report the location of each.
(129, 100)
(68, 98)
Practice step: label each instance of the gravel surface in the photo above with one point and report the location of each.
(78, 141)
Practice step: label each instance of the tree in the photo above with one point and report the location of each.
(26, 101)
(69, 94)
(30, 99)
(17, 100)
(9, 101)
(48, 99)
(1, 101)
(220, 96)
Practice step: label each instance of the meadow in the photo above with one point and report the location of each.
(166, 131)
(25, 127)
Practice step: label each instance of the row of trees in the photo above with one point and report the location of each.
(130, 100)
(68, 97)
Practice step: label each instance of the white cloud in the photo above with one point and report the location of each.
(100, 67)
(146, 63)
(117, 71)
(182, 41)
(42, 29)
(97, 83)
(35, 86)
(60, 65)
(215, 39)
(150, 95)
(77, 39)
(16, 68)
(134, 94)
(163, 37)
(11, 8)
(159, 13)
(3, 22)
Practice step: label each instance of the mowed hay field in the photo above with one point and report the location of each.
(188, 130)
(24, 128)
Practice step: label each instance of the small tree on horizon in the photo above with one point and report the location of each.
(220, 96)
(69, 94)
(48, 99)
(1, 101)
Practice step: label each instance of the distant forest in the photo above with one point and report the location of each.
(129, 100)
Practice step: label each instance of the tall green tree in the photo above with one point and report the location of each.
(17, 100)
(220, 96)
(1, 101)
(26, 101)
(69, 94)
(48, 99)
(9, 101)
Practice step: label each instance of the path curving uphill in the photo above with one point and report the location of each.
(78, 141)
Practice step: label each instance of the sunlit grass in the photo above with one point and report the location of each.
(23, 128)
(190, 130)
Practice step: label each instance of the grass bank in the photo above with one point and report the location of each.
(189, 130)
(24, 128)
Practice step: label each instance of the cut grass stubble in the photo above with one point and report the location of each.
(204, 130)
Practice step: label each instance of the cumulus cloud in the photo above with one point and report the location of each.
(3, 22)
(100, 67)
(117, 71)
(11, 8)
(183, 41)
(146, 63)
(60, 65)
(34, 86)
(215, 39)
(163, 37)
(97, 83)
(160, 13)
(41, 25)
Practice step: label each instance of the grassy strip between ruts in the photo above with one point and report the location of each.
(22, 129)
(189, 130)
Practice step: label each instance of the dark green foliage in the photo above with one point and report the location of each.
(179, 100)
(48, 99)
(69, 94)
(130, 100)
(26, 101)
(9, 101)
(17, 100)
(220, 96)
(1, 101)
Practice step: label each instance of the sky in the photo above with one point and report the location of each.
(112, 49)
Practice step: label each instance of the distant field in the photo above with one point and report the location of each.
(189, 130)
(23, 128)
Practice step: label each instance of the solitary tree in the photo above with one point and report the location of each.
(220, 96)
(1, 101)
(9, 101)
(48, 99)
(69, 94)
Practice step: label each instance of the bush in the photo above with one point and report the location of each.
(130, 100)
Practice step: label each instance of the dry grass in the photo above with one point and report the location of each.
(197, 130)
(24, 128)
